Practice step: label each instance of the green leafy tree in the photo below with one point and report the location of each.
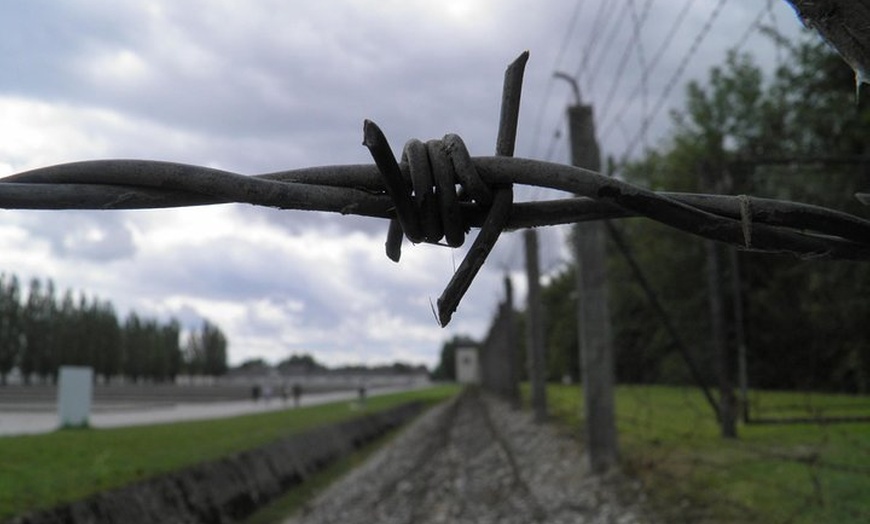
(206, 351)
(301, 362)
(11, 335)
(156, 358)
(215, 348)
(68, 343)
(749, 134)
(171, 348)
(135, 348)
(38, 357)
(561, 341)
(41, 334)
(194, 354)
(106, 340)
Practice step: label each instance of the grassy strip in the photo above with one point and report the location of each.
(41, 471)
(803, 473)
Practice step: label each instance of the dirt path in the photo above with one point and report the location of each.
(476, 460)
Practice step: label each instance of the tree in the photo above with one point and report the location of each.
(106, 340)
(41, 334)
(38, 319)
(10, 325)
(563, 354)
(68, 344)
(206, 351)
(194, 354)
(215, 348)
(740, 127)
(304, 363)
(135, 350)
(171, 348)
(255, 364)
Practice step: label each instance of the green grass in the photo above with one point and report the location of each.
(797, 473)
(41, 471)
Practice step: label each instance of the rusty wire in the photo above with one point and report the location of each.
(419, 195)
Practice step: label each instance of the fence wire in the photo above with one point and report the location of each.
(774, 474)
(419, 195)
(427, 196)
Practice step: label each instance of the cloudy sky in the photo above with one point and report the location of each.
(267, 85)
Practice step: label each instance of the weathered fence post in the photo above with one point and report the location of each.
(499, 366)
(511, 384)
(740, 333)
(718, 336)
(535, 329)
(593, 313)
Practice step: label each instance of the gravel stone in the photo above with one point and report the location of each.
(477, 460)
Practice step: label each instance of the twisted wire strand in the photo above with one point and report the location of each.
(420, 198)
(429, 209)
(359, 190)
(435, 169)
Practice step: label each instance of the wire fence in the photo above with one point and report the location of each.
(670, 443)
(419, 195)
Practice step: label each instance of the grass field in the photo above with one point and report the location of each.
(801, 473)
(796, 473)
(44, 470)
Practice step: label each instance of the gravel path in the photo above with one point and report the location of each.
(476, 460)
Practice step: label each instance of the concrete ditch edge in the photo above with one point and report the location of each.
(229, 489)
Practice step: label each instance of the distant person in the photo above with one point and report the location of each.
(297, 394)
(267, 393)
(255, 392)
(362, 396)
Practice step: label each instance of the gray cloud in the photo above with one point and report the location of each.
(84, 235)
(264, 86)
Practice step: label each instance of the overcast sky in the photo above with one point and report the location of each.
(258, 86)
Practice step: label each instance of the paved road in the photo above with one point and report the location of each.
(42, 420)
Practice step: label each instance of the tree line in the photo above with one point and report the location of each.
(41, 332)
(307, 364)
(799, 134)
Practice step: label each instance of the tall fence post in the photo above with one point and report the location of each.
(535, 329)
(718, 335)
(511, 354)
(740, 333)
(499, 366)
(593, 312)
(719, 342)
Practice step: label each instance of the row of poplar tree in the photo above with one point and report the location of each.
(40, 333)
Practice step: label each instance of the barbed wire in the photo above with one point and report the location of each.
(671, 33)
(593, 71)
(672, 81)
(548, 92)
(754, 26)
(419, 195)
(599, 22)
(750, 223)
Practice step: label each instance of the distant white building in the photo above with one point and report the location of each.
(467, 365)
